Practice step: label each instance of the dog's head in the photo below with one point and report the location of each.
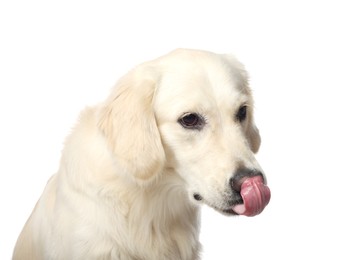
(190, 111)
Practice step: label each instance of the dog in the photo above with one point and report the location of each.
(175, 133)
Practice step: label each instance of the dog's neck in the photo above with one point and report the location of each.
(166, 214)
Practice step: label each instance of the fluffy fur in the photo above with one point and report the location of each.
(129, 171)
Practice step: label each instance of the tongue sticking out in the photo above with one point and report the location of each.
(255, 194)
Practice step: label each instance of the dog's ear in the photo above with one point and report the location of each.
(128, 122)
(253, 136)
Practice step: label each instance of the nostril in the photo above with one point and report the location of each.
(236, 183)
(241, 175)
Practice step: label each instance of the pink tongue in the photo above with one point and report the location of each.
(255, 194)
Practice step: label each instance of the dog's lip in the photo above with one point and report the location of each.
(229, 210)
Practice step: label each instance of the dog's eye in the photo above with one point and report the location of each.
(192, 121)
(242, 113)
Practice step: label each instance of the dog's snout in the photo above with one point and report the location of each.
(241, 174)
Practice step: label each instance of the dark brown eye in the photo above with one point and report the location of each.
(192, 121)
(242, 113)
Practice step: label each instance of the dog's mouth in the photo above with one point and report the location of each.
(251, 200)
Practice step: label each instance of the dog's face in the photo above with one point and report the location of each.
(204, 112)
(197, 108)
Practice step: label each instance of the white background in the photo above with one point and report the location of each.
(57, 57)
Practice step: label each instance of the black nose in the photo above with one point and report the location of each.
(242, 173)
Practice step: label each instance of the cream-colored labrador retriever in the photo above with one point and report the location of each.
(174, 133)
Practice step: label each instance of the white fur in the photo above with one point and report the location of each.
(129, 170)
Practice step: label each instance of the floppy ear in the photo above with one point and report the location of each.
(252, 132)
(128, 123)
(253, 137)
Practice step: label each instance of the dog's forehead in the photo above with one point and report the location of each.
(195, 78)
